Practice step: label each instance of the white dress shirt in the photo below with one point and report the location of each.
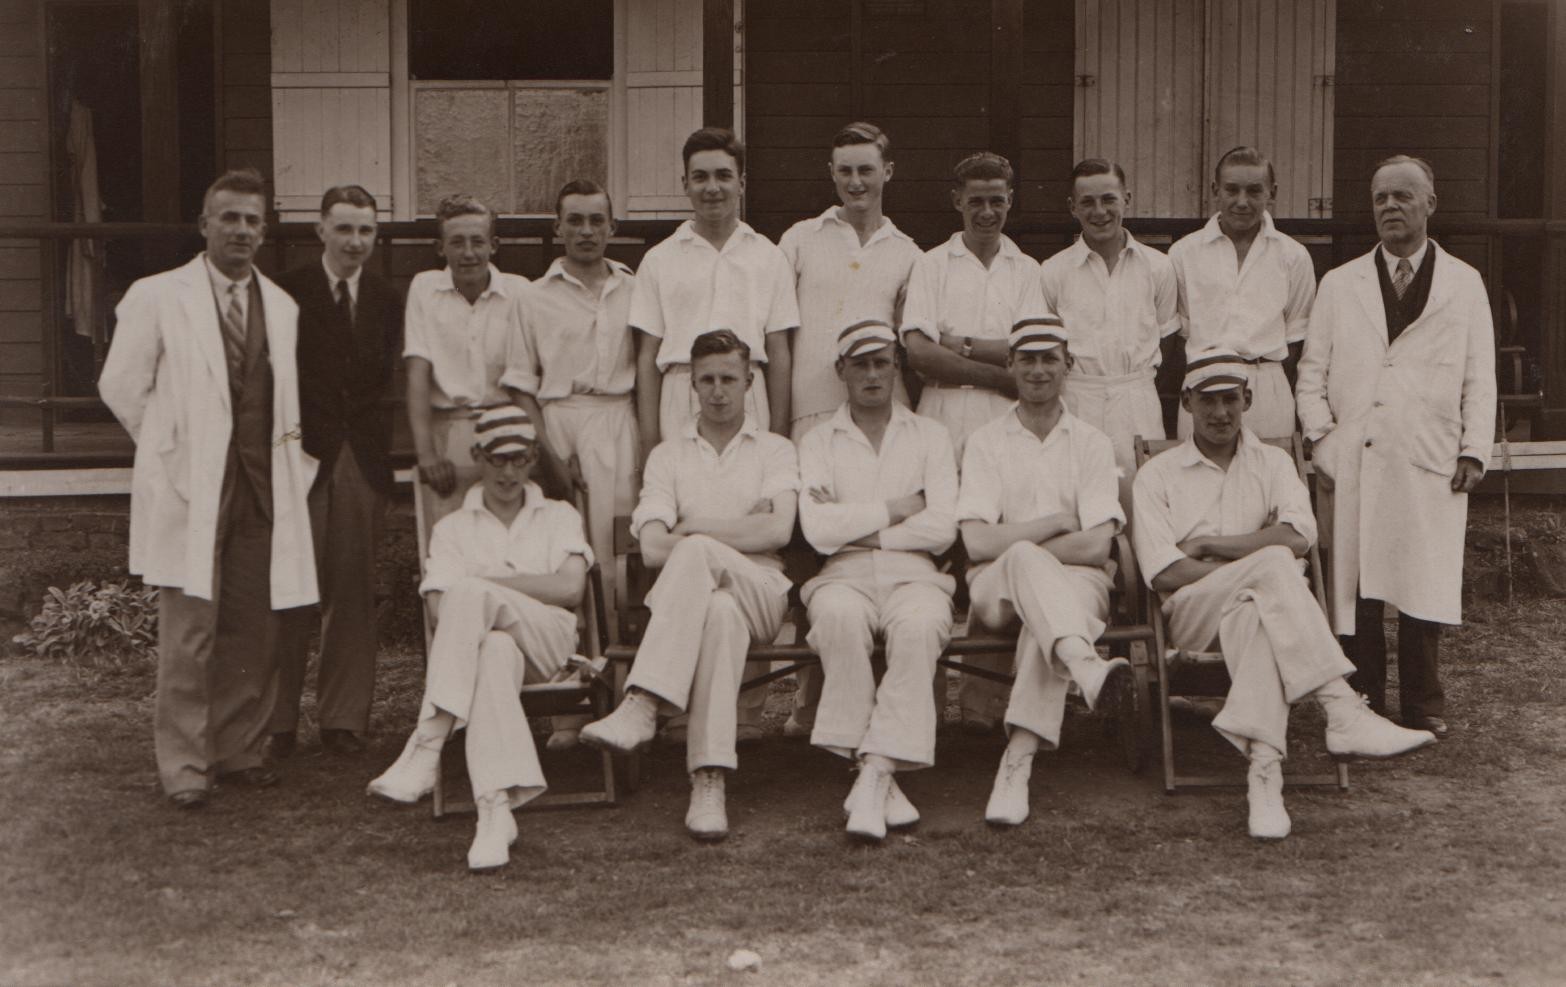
(1009, 475)
(574, 340)
(915, 457)
(465, 344)
(686, 477)
(352, 279)
(839, 282)
(952, 291)
(1256, 309)
(1116, 318)
(1181, 494)
(685, 287)
(221, 283)
(473, 542)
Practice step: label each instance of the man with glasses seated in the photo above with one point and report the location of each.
(504, 572)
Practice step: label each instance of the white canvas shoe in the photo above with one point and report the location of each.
(497, 830)
(707, 819)
(1009, 798)
(899, 811)
(412, 776)
(867, 803)
(633, 723)
(1264, 792)
(1354, 731)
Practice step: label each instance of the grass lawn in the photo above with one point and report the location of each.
(1444, 868)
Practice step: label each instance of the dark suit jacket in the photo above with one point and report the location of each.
(345, 373)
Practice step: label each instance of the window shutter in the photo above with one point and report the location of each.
(331, 101)
(663, 92)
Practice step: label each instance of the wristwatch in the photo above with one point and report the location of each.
(967, 348)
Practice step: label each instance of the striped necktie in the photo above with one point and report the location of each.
(1404, 275)
(234, 332)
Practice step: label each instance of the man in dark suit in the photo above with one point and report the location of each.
(350, 338)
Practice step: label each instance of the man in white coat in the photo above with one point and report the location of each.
(201, 373)
(1397, 395)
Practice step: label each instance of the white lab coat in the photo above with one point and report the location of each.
(166, 379)
(1399, 419)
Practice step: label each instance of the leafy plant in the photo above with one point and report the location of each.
(112, 626)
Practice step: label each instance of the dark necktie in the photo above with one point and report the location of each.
(345, 302)
(1403, 277)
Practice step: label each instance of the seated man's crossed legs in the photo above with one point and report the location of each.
(488, 643)
(1062, 610)
(1279, 649)
(889, 727)
(708, 605)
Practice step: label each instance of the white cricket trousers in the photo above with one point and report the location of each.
(708, 605)
(1259, 611)
(1054, 602)
(489, 642)
(896, 719)
(600, 431)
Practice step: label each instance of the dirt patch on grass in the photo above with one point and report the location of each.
(1443, 868)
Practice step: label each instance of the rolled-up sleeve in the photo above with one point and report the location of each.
(646, 306)
(657, 502)
(522, 364)
(567, 537)
(1098, 494)
(1153, 534)
(1166, 299)
(416, 327)
(445, 565)
(783, 312)
(979, 497)
(921, 310)
(1302, 293)
(934, 528)
(1289, 495)
(780, 467)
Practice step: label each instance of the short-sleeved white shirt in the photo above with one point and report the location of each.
(685, 287)
(574, 340)
(686, 477)
(1009, 475)
(952, 291)
(473, 542)
(915, 456)
(1181, 494)
(1256, 310)
(838, 282)
(1116, 318)
(465, 344)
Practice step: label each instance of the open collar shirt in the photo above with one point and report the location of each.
(1010, 475)
(685, 286)
(465, 344)
(1256, 309)
(915, 457)
(471, 541)
(952, 291)
(1181, 494)
(839, 282)
(1116, 318)
(574, 340)
(686, 477)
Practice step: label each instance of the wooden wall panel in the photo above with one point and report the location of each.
(246, 124)
(24, 196)
(663, 100)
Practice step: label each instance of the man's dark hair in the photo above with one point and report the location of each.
(353, 195)
(1245, 155)
(983, 166)
(582, 186)
(714, 139)
(861, 132)
(247, 181)
(1088, 167)
(716, 342)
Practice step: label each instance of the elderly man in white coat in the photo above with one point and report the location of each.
(201, 374)
(1397, 395)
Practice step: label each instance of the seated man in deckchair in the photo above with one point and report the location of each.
(1038, 509)
(503, 573)
(718, 502)
(1221, 521)
(880, 499)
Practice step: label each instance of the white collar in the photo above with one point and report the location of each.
(1192, 455)
(332, 279)
(1062, 426)
(1214, 231)
(1414, 260)
(532, 501)
(222, 282)
(1085, 253)
(887, 229)
(496, 286)
(687, 232)
(842, 420)
(958, 248)
(557, 269)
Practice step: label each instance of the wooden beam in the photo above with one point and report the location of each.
(1005, 109)
(158, 37)
(1553, 289)
(717, 63)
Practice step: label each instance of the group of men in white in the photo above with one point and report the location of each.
(730, 387)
